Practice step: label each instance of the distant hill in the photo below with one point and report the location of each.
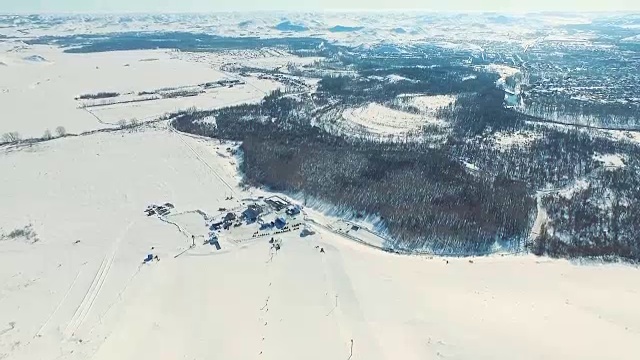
(289, 26)
(340, 28)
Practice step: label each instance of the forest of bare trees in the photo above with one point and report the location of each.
(424, 196)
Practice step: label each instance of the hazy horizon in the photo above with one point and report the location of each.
(197, 6)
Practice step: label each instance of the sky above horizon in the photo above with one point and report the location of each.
(96, 6)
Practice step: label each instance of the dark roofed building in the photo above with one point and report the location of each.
(252, 212)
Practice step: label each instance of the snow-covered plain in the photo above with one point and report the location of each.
(431, 103)
(381, 120)
(81, 291)
(37, 96)
(93, 298)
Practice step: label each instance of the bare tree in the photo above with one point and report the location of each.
(122, 124)
(47, 135)
(61, 131)
(11, 137)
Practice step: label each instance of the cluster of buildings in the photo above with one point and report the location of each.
(272, 212)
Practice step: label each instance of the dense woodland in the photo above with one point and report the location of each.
(601, 220)
(425, 196)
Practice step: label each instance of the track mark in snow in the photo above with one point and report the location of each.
(119, 298)
(203, 161)
(12, 325)
(335, 307)
(64, 298)
(92, 293)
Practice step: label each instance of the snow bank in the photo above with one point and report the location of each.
(635, 38)
(507, 140)
(611, 161)
(430, 103)
(503, 71)
(393, 78)
(470, 166)
(35, 58)
(573, 189)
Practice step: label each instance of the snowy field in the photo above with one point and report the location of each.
(40, 83)
(73, 236)
(430, 103)
(381, 120)
(81, 291)
(93, 298)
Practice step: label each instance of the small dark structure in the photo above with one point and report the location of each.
(293, 210)
(252, 213)
(277, 202)
(214, 241)
(216, 225)
(230, 217)
(280, 222)
(265, 226)
(306, 232)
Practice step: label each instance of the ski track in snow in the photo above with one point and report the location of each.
(85, 306)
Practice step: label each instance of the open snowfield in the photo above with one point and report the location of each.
(381, 120)
(251, 92)
(81, 291)
(73, 284)
(40, 95)
(431, 103)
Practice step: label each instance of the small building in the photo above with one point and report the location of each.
(511, 98)
(252, 213)
(216, 225)
(230, 217)
(307, 231)
(293, 210)
(280, 222)
(277, 203)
